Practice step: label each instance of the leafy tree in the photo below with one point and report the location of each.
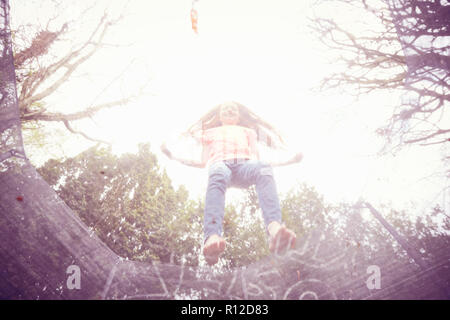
(343, 226)
(245, 234)
(129, 203)
(393, 45)
(133, 208)
(303, 209)
(247, 239)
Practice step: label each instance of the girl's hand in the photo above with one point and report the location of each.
(166, 151)
(298, 157)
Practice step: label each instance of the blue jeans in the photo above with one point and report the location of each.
(240, 173)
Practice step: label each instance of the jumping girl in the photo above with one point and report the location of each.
(229, 134)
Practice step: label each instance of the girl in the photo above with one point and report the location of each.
(229, 134)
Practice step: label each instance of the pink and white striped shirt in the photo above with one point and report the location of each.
(228, 142)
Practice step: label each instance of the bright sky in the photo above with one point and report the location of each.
(262, 54)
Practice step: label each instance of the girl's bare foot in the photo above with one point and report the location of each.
(281, 238)
(214, 246)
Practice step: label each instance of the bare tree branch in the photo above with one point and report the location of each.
(38, 79)
(407, 50)
(69, 127)
(88, 112)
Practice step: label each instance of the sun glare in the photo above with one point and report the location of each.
(255, 52)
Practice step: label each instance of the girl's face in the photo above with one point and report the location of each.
(229, 114)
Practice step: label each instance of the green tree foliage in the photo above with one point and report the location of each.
(244, 232)
(303, 209)
(344, 227)
(247, 240)
(129, 203)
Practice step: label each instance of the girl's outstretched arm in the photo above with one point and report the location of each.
(297, 158)
(253, 143)
(188, 162)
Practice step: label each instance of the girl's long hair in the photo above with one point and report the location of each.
(266, 133)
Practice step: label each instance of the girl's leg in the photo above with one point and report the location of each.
(219, 176)
(261, 174)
